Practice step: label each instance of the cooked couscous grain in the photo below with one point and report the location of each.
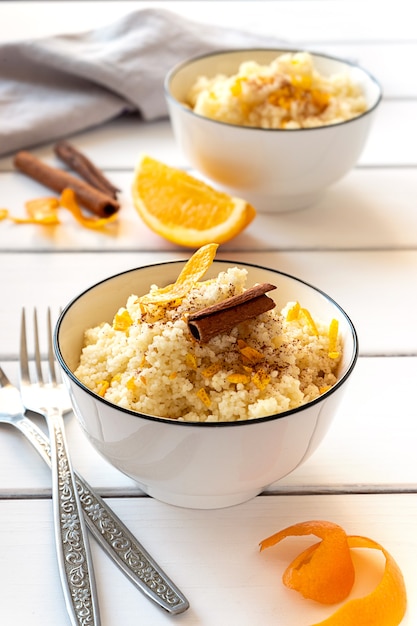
(289, 93)
(148, 361)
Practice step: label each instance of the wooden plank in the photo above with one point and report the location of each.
(212, 555)
(119, 144)
(374, 287)
(369, 209)
(374, 423)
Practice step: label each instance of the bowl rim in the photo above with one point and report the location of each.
(224, 424)
(225, 52)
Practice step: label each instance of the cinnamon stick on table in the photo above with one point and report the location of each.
(91, 198)
(223, 316)
(78, 162)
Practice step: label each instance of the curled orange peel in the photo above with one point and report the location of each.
(44, 211)
(324, 572)
(329, 562)
(68, 201)
(195, 268)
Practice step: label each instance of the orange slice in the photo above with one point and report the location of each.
(319, 574)
(185, 210)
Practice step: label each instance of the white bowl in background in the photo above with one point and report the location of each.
(274, 169)
(198, 465)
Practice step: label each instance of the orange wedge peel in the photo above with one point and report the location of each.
(184, 209)
(324, 572)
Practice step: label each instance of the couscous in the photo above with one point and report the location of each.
(289, 93)
(148, 361)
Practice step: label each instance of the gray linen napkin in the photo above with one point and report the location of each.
(59, 85)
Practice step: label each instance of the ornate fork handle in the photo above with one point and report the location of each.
(114, 536)
(73, 551)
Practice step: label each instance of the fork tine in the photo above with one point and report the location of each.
(23, 356)
(51, 358)
(4, 381)
(37, 349)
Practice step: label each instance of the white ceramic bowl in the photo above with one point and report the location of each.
(275, 170)
(198, 465)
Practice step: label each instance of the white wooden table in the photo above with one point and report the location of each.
(359, 244)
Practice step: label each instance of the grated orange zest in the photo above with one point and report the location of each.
(236, 87)
(238, 379)
(131, 384)
(191, 361)
(211, 370)
(103, 386)
(204, 397)
(310, 321)
(293, 312)
(261, 379)
(122, 321)
(251, 355)
(333, 335)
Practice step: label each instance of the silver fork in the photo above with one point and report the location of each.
(116, 539)
(113, 536)
(73, 550)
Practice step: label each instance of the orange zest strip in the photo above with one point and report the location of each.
(204, 397)
(310, 321)
(324, 572)
(122, 321)
(242, 379)
(384, 606)
(40, 211)
(261, 379)
(104, 385)
(333, 333)
(68, 201)
(193, 270)
(293, 312)
(44, 211)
